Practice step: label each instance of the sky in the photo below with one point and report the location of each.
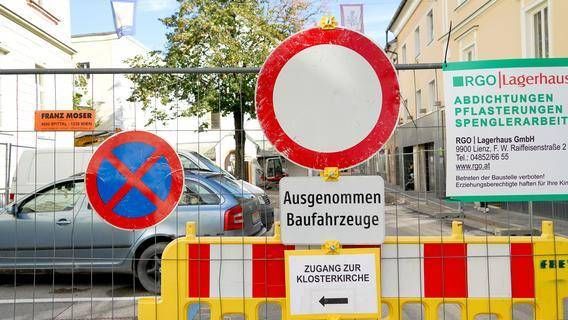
(91, 16)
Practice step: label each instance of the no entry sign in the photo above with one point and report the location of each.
(327, 98)
(134, 180)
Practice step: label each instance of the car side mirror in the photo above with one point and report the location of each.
(14, 210)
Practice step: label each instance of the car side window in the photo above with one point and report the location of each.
(188, 164)
(61, 197)
(197, 194)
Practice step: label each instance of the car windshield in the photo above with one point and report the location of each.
(211, 165)
(236, 189)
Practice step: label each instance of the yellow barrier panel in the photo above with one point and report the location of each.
(421, 277)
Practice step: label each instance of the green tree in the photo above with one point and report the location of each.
(80, 94)
(216, 33)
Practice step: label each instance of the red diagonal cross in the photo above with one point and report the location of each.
(134, 179)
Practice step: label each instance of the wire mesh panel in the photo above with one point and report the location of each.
(60, 260)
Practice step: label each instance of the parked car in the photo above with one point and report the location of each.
(55, 228)
(192, 160)
(67, 162)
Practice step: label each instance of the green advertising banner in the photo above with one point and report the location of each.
(507, 130)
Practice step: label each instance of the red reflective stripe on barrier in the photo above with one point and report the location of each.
(198, 269)
(445, 270)
(522, 270)
(268, 271)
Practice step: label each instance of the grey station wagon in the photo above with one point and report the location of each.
(56, 229)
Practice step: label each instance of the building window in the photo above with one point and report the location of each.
(403, 53)
(539, 32)
(432, 92)
(430, 25)
(215, 120)
(41, 94)
(419, 102)
(417, 41)
(85, 65)
(468, 54)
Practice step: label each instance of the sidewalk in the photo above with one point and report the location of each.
(498, 221)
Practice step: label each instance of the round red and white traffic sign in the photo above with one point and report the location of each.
(134, 180)
(327, 98)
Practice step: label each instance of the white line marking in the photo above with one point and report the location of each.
(72, 300)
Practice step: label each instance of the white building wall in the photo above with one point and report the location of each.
(30, 38)
(109, 92)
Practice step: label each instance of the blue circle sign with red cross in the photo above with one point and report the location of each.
(134, 180)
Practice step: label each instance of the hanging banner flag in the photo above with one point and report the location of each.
(506, 124)
(123, 12)
(352, 16)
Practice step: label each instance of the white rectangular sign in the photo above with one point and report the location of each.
(507, 130)
(333, 284)
(350, 210)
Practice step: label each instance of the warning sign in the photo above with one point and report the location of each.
(65, 120)
(350, 210)
(342, 284)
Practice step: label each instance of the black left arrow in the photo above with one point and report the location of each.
(325, 301)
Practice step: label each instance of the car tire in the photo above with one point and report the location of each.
(148, 268)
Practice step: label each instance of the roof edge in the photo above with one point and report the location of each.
(396, 14)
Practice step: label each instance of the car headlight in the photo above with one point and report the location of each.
(261, 200)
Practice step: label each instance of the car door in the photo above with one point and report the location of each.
(97, 243)
(38, 233)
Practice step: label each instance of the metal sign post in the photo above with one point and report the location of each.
(327, 99)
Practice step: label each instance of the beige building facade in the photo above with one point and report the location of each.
(481, 30)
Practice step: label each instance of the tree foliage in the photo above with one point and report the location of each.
(215, 33)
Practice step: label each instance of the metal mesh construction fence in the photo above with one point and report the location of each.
(59, 260)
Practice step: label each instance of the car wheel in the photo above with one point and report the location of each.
(148, 268)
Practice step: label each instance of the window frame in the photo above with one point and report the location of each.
(418, 101)
(44, 191)
(430, 26)
(200, 185)
(542, 44)
(432, 91)
(527, 33)
(403, 53)
(417, 42)
(471, 48)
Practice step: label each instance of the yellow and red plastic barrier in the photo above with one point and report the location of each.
(478, 275)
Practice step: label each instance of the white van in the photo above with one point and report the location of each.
(53, 165)
(37, 168)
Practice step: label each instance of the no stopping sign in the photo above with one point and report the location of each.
(327, 98)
